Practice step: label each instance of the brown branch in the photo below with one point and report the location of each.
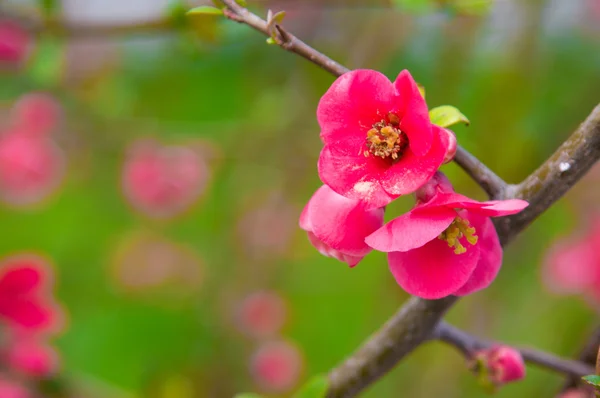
(589, 355)
(467, 344)
(493, 185)
(417, 318)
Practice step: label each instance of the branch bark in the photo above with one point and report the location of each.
(589, 355)
(467, 344)
(417, 318)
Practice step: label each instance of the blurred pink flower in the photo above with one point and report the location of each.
(32, 356)
(163, 181)
(261, 314)
(379, 141)
(12, 389)
(14, 42)
(36, 113)
(572, 264)
(26, 301)
(447, 244)
(503, 364)
(337, 226)
(576, 393)
(277, 366)
(31, 167)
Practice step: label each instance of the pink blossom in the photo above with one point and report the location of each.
(31, 167)
(446, 244)
(25, 300)
(502, 364)
(14, 42)
(262, 314)
(572, 265)
(11, 389)
(576, 393)
(36, 113)
(379, 141)
(337, 226)
(277, 366)
(32, 356)
(163, 181)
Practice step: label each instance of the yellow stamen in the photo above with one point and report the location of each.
(460, 228)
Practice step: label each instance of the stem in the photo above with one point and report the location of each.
(493, 185)
(589, 355)
(467, 344)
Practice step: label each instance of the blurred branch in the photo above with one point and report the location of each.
(61, 27)
(588, 355)
(417, 318)
(467, 344)
(480, 173)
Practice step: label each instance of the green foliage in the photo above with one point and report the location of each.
(316, 387)
(446, 116)
(205, 10)
(593, 380)
(46, 66)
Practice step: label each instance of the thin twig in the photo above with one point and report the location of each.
(480, 173)
(589, 355)
(467, 344)
(417, 318)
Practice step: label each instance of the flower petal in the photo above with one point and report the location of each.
(490, 257)
(492, 208)
(411, 171)
(353, 103)
(28, 313)
(354, 176)
(328, 251)
(413, 113)
(22, 275)
(434, 270)
(343, 223)
(411, 230)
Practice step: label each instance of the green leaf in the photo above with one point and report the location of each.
(219, 4)
(205, 10)
(271, 40)
(593, 380)
(241, 3)
(446, 116)
(48, 7)
(278, 17)
(46, 66)
(316, 387)
(248, 395)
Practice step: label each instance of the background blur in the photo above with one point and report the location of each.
(190, 148)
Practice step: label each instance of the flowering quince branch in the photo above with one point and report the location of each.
(386, 138)
(468, 345)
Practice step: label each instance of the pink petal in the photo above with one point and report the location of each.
(304, 221)
(414, 114)
(411, 171)
(570, 267)
(353, 103)
(28, 313)
(21, 276)
(490, 257)
(343, 223)
(492, 208)
(495, 208)
(411, 230)
(354, 175)
(328, 251)
(434, 270)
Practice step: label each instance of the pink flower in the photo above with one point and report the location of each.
(337, 226)
(446, 244)
(36, 113)
(11, 389)
(502, 364)
(262, 314)
(163, 181)
(25, 301)
(31, 167)
(379, 141)
(32, 356)
(277, 366)
(14, 42)
(576, 393)
(572, 265)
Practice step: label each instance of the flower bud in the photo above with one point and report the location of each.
(499, 365)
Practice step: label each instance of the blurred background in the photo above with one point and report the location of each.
(160, 163)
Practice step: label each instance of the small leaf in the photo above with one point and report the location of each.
(271, 40)
(446, 116)
(248, 395)
(46, 66)
(278, 17)
(593, 380)
(205, 10)
(241, 3)
(316, 387)
(219, 4)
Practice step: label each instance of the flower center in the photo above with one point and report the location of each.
(460, 228)
(385, 139)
